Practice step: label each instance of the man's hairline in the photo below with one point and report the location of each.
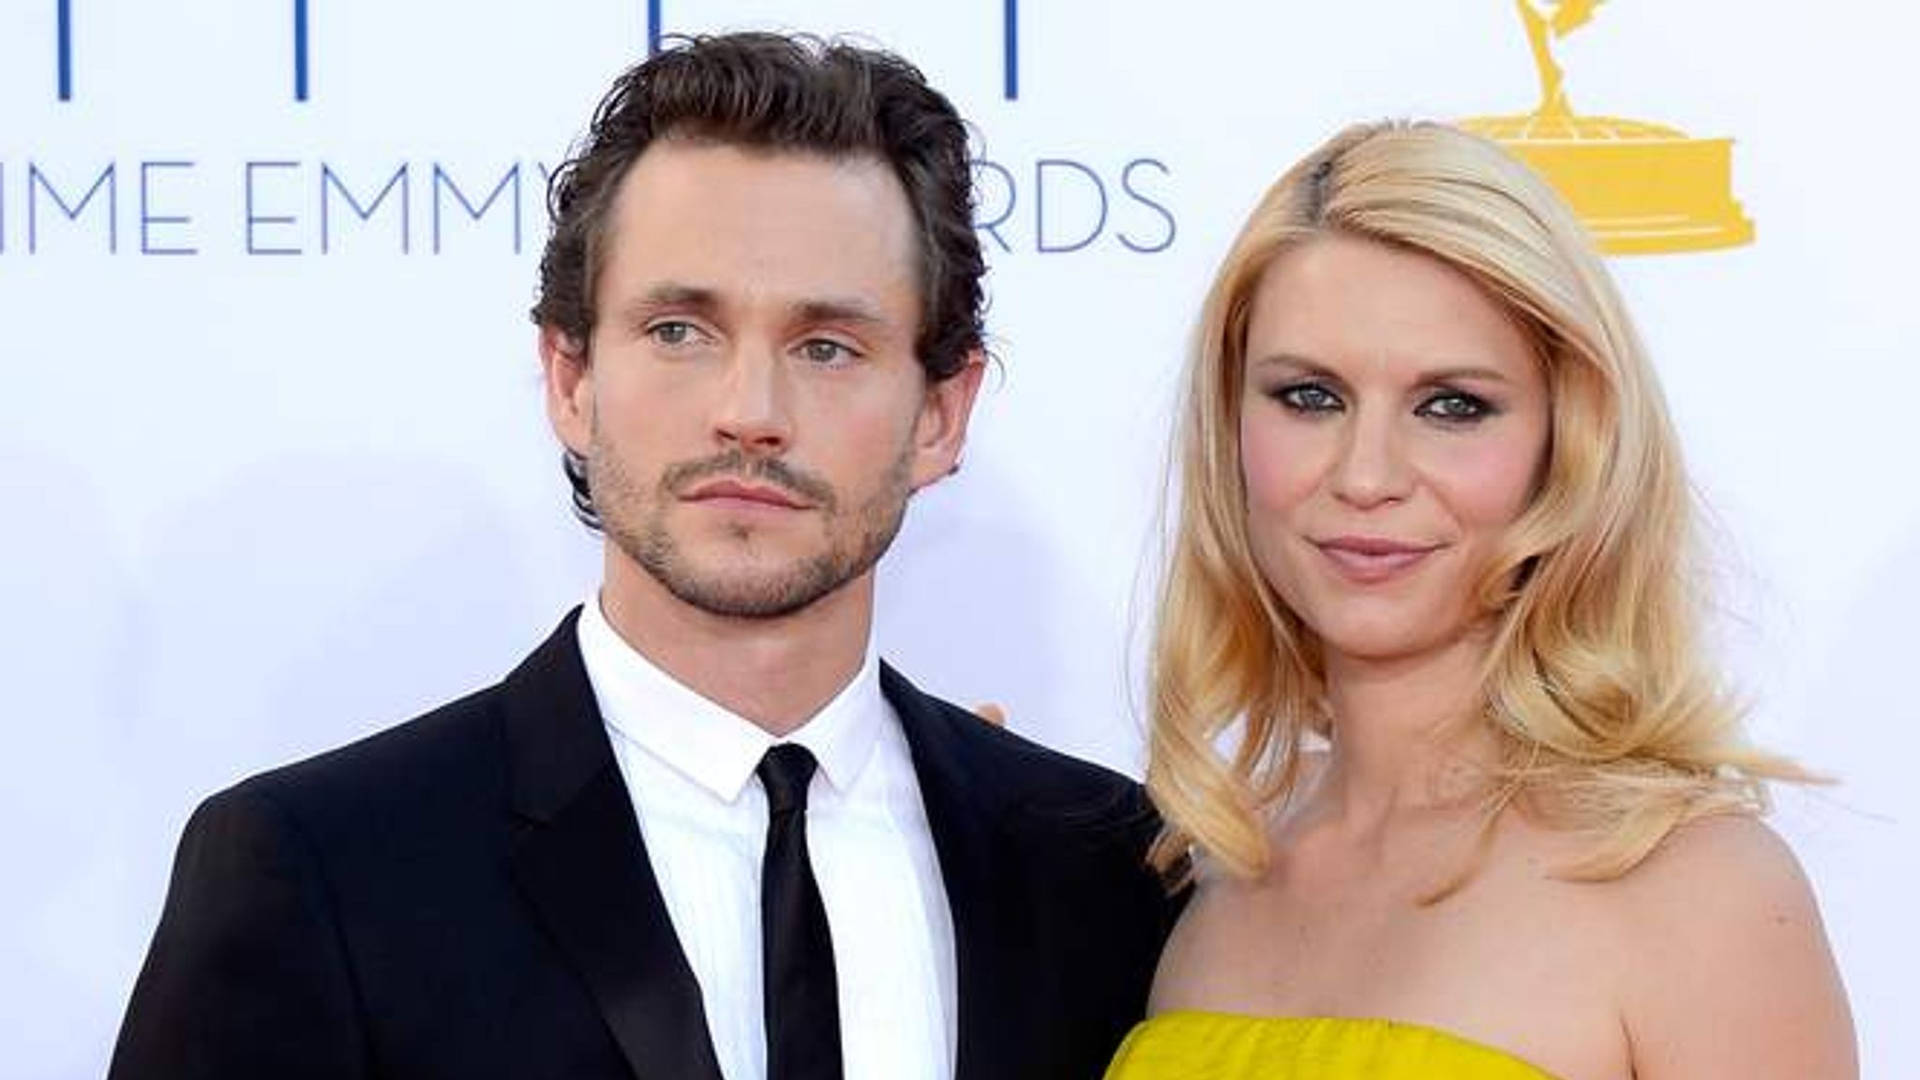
(688, 133)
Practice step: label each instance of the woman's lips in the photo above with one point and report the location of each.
(1369, 560)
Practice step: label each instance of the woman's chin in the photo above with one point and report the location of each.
(1376, 643)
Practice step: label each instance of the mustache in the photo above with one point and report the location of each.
(768, 470)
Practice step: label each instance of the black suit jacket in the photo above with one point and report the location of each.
(467, 896)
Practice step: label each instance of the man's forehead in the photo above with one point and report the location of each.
(710, 172)
(804, 227)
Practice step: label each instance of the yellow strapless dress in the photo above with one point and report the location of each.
(1219, 1046)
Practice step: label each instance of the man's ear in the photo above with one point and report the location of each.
(940, 433)
(569, 386)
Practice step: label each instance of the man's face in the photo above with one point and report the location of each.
(750, 407)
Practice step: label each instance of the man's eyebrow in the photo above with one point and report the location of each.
(667, 294)
(697, 298)
(838, 310)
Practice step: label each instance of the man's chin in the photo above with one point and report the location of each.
(753, 594)
(750, 581)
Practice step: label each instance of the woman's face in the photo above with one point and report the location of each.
(1392, 425)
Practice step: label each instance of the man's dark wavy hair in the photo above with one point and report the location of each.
(782, 93)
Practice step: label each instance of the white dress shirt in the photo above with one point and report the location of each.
(689, 768)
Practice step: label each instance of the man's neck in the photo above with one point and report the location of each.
(776, 673)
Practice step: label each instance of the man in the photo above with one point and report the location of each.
(701, 831)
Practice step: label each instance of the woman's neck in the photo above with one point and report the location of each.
(1406, 733)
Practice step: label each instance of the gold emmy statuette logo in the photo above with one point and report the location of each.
(1638, 187)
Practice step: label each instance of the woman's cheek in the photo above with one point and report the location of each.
(1279, 463)
(1488, 483)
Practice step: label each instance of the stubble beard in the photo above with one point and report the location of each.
(635, 520)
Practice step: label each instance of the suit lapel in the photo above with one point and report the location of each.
(582, 864)
(983, 868)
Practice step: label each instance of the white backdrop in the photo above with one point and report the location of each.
(276, 473)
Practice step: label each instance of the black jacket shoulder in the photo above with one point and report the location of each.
(1016, 780)
(434, 768)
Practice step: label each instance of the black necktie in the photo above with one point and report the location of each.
(802, 995)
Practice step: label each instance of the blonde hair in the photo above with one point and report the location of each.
(1594, 682)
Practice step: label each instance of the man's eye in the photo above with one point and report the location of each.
(1455, 407)
(1307, 398)
(825, 351)
(672, 332)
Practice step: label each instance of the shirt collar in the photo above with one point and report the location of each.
(701, 739)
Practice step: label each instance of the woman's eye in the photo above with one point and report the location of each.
(1455, 407)
(1307, 398)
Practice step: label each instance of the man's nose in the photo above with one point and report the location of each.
(754, 410)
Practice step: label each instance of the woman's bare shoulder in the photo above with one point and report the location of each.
(1729, 971)
(1197, 959)
(1725, 873)
(1219, 952)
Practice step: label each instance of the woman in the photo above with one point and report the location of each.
(1485, 812)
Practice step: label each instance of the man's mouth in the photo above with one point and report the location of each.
(729, 490)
